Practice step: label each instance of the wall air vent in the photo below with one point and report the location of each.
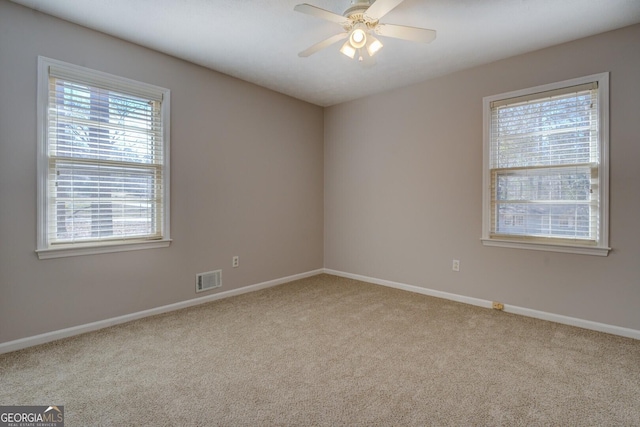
(208, 280)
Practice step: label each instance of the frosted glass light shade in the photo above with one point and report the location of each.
(348, 50)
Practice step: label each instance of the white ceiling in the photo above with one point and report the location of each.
(258, 40)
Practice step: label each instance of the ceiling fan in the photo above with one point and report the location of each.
(360, 22)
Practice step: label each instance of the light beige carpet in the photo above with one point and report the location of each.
(332, 351)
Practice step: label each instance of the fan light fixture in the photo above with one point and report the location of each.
(348, 50)
(373, 45)
(360, 22)
(358, 38)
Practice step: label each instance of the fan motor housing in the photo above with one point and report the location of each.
(356, 10)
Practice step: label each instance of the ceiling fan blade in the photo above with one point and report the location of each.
(380, 8)
(320, 13)
(406, 33)
(319, 46)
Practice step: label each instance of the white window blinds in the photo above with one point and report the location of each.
(545, 166)
(105, 159)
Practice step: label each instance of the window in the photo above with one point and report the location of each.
(103, 162)
(546, 167)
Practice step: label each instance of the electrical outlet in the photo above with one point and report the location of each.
(235, 262)
(456, 265)
(497, 306)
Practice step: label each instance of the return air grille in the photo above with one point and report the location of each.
(208, 280)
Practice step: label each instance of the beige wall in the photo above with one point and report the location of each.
(246, 179)
(403, 187)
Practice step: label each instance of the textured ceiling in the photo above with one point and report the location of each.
(258, 40)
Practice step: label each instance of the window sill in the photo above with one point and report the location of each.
(570, 249)
(100, 249)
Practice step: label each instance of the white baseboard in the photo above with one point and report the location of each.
(412, 288)
(94, 326)
(558, 318)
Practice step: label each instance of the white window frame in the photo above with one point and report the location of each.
(44, 249)
(601, 248)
